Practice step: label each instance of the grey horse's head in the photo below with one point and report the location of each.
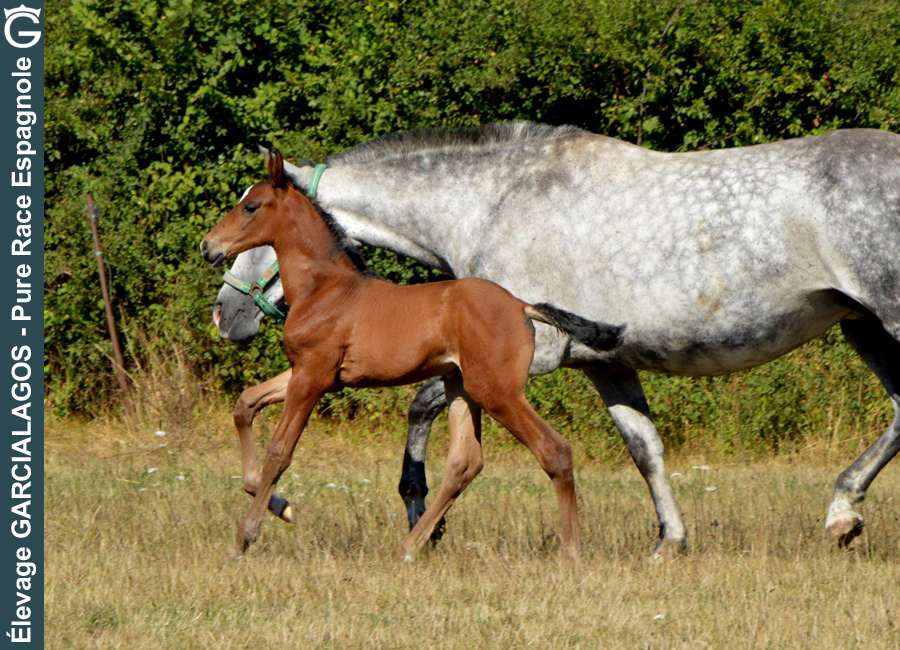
(235, 313)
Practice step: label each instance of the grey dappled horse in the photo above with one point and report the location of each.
(718, 260)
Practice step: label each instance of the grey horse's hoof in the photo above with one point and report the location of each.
(669, 547)
(844, 526)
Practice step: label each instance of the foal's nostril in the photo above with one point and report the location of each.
(204, 249)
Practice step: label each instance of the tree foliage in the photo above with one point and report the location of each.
(156, 107)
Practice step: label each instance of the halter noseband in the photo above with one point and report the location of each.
(257, 289)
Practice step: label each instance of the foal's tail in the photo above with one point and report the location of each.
(599, 336)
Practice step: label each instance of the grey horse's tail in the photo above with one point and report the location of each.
(599, 336)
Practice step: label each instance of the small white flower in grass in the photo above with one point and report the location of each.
(237, 476)
(160, 434)
(365, 480)
(152, 470)
(658, 617)
(280, 490)
(710, 489)
(331, 485)
(676, 474)
(162, 444)
(368, 500)
(302, 494)
(702, 468)
(294, 476)
(180, 477)
(142, 490)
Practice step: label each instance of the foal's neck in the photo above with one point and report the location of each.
(309, 257)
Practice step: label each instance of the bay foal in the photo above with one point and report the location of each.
(346, 328)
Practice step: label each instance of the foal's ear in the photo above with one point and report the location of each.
(275, 164)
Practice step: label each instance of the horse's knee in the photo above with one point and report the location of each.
(243, 413)
(476, 463)
(462, 471)
(456, 467)
(558, 463)
(251, 485)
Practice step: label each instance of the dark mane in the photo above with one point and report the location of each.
(421, 140)
(342, 241)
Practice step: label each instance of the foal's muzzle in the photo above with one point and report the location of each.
(217, 259)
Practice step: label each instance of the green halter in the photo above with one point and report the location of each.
(314, 180)
(257, 289)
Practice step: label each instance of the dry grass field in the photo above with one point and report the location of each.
(137, 543)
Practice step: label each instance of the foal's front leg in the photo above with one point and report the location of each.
(251, 402)
(302, 396)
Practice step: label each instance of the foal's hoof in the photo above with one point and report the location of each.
(844, 526)
(669, 547)
(282, 509)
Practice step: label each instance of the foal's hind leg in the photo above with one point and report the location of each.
(429, 402)
(881, 352)
(464, 462)
(251, 402)
(552, 451)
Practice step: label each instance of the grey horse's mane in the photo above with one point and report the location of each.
(420, 140)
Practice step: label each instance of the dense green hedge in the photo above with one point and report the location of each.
(156, 109)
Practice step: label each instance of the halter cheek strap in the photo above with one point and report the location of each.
(257, 289)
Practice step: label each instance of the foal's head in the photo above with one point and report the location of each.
(262, 213)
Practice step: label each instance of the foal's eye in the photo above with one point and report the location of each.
(251, 207)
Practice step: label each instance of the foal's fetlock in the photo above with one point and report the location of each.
(439, 529)
(243, 540)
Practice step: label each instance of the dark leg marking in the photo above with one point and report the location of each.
(427, 405)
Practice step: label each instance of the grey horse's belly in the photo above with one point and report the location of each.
(739, 342)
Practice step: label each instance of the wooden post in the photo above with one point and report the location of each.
(94, 214)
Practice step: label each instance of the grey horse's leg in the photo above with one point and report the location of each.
(621, 390)
(428, 404)
(881, 352)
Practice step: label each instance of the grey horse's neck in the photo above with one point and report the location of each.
(399, 192)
